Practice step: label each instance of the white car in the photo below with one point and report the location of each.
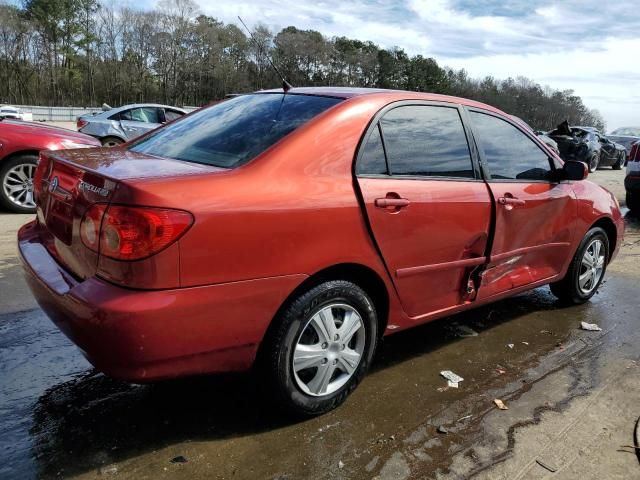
(7, 111)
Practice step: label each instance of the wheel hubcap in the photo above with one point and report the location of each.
(592, 267)
(18, 185)
(329, 350)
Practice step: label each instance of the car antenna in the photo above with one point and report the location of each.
(286, 86)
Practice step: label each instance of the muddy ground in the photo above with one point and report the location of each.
(572, 398)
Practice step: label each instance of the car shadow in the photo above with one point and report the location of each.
(92, 420)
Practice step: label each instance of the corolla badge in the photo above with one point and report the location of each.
(87, 187)
(53, 185)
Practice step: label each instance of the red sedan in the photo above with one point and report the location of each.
(291, 230)
(20, 143)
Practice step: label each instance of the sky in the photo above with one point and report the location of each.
(592, 47)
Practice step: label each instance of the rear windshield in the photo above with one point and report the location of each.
(235, 131)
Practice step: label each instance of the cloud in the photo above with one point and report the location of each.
(585, 45)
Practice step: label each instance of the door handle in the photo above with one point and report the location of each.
(391, 202)
(510, 201)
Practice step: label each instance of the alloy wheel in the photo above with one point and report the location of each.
(328, 350)
(18, 185)
(592, 266)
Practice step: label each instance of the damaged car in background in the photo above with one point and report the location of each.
(114, 126)
(587, 145)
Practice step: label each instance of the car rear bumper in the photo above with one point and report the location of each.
(143, 335)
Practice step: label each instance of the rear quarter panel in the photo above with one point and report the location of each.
(596, 203)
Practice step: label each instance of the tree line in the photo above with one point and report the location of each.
(82, 53)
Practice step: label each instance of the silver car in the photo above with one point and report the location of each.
(114, 126)
(625, 136)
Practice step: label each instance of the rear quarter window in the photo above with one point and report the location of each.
(233, 132)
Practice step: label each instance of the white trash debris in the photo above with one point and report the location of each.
(590, 326)
(510, 345)
(500, 404)
(452, 379)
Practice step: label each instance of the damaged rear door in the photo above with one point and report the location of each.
(428, 208)
(534, 213)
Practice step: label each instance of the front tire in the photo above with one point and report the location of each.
(587, 269)
(321, 348)
(16, 183)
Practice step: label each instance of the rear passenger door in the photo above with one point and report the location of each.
(428, 208)
(535, 214)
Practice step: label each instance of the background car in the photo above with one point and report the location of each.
(632, 179)
(291, 229)
(118, 125)
(587, 145)
(7, 111)
(20, 143)
(611, 153)
(625, 136)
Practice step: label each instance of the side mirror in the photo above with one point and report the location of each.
(573, 170)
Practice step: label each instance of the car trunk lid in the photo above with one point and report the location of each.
(68, 182)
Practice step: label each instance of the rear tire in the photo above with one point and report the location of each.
(594, 161)
(16, 183)
(619, 162)
(310, 367)
(586, 271)
(111, 141)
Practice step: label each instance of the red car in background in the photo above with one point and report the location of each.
(20, 143)
(291, 230)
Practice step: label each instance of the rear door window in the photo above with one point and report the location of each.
(510, 154)
(425, 140)
(234, 131)
(143, 114)
(171, 115)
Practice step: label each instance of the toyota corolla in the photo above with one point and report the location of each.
(289, 231)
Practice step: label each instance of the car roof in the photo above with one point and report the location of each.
(140, 105)
(393, 95)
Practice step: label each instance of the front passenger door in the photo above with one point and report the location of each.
(535, 214)
(427, 206)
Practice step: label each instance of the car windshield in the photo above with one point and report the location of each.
(235, 131)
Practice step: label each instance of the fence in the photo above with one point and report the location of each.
(63, 114)
(56, 114)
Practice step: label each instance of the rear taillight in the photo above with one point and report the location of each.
(81, 123)
(132, 233)
(90, 226)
